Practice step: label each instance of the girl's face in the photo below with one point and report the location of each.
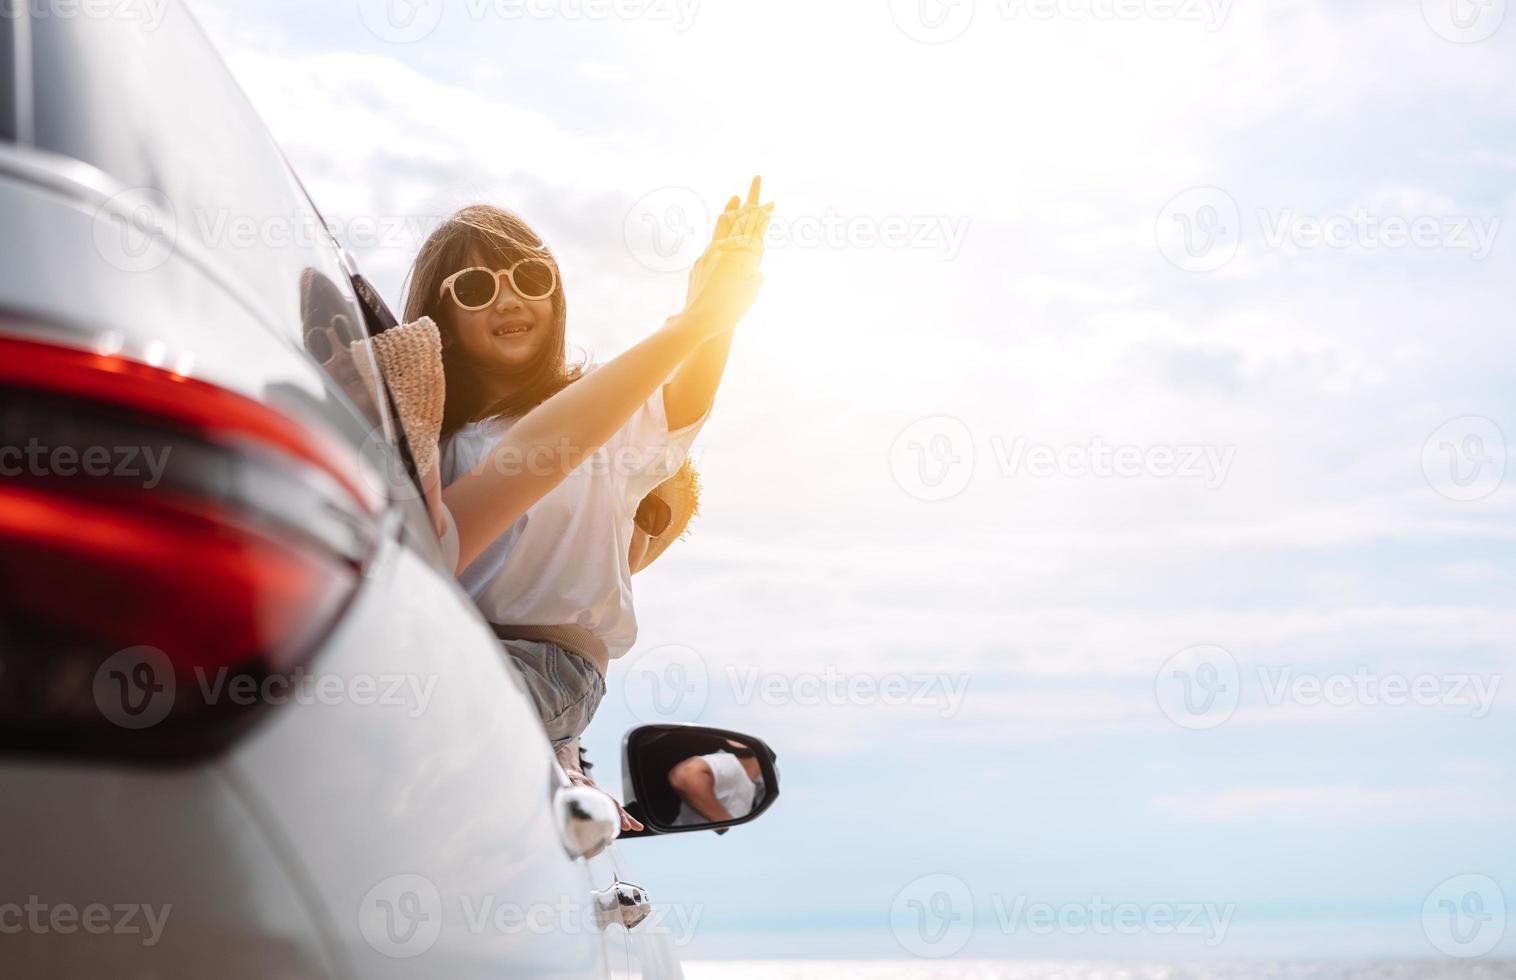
(509, 333)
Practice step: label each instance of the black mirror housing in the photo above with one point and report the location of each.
(676, 778)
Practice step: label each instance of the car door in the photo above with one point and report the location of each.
(415, 798)
(604, 875)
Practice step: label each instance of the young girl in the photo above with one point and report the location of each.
(518, 422)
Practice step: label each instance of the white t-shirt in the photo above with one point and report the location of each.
(734, 790)
(565, 561)
(449, 539)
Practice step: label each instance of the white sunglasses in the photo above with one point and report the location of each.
(476, 287)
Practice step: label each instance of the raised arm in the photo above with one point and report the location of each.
(555, 437)
(691, 392)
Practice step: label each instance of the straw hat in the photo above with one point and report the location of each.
(410, 358)
(664, 514)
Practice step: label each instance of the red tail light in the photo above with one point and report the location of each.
(134, 594)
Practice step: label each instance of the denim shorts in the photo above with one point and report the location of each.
(565, 687)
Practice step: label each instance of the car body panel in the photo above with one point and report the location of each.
(340, 832)
(178, 848)
(446, 775)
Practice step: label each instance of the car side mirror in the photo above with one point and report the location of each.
(681, 778)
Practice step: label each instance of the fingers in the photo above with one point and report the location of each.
(751, 209)
(725, 220)
(743, 226)
(750, 228)
(765, 214)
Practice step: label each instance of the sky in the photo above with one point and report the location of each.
(1107, 505)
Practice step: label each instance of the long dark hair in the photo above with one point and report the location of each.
(498, 238)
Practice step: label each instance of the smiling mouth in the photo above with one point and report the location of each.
(511, 331)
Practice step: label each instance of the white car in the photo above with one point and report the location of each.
(251, 725)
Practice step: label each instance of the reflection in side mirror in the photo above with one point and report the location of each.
(679, 778)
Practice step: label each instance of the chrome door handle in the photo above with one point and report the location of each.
(587, 820)
(623, 903)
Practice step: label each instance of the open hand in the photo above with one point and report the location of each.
(725, 281)
(739, 225)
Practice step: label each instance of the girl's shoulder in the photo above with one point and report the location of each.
(469, 444)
